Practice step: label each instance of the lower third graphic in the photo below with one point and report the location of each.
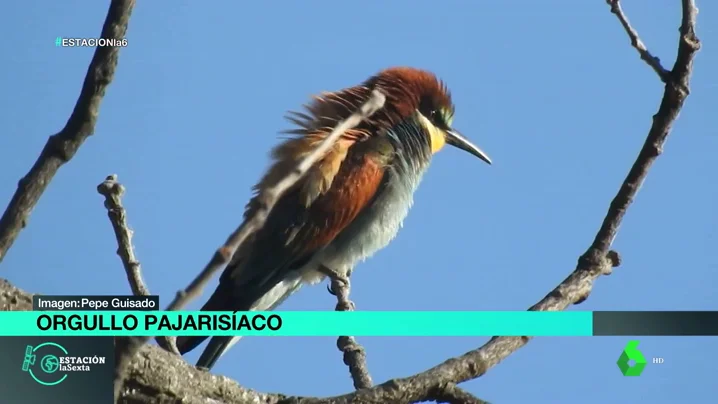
(55, 363)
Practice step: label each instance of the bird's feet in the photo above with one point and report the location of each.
(339, 287)
(336, 277)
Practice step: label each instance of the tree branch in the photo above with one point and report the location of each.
(637, 43)
(354, 355)
(113, 191)
(675, 93)
(125, 347)
(61, 147)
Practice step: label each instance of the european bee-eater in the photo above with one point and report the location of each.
(349, 205)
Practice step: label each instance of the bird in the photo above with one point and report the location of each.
(350, 204)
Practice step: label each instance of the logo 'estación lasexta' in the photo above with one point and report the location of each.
(631, 353)
(50, 364)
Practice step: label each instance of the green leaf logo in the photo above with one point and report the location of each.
(631, 352)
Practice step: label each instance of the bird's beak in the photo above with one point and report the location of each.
(456, 139)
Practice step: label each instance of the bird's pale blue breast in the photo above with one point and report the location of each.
(379, 222)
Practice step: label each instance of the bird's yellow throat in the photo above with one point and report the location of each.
(437, 136)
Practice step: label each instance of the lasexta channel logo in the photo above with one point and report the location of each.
(50, 364)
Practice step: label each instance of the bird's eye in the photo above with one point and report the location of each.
(436, 118)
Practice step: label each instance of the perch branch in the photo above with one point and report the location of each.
(353, 353)
(61, 147)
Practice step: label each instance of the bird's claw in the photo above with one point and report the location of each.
(336, 279)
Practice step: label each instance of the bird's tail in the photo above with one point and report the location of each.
(225, 299)
(220, 300)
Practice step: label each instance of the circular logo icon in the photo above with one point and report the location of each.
(49, 365)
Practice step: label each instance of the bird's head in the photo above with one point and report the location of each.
(419, 93)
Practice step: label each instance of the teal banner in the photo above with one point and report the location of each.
(296, 323)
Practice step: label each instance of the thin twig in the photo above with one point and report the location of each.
(61, 147)
(113, 191)
(637, 43)
(674, 96)
(453, 394)
(125, 347)
(354, 354)
(267, 200)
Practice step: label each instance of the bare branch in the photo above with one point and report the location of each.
(14, 299)
(113, 191)
(61, 147)
(674, 95)
(637, 43)
(125, 347)
(688, 45)
(354, 354)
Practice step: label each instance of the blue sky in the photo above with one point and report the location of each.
(551, 90)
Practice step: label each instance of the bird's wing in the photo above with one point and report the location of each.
(312, 127)
(292, 234)
(327, 199)
(309, 215)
